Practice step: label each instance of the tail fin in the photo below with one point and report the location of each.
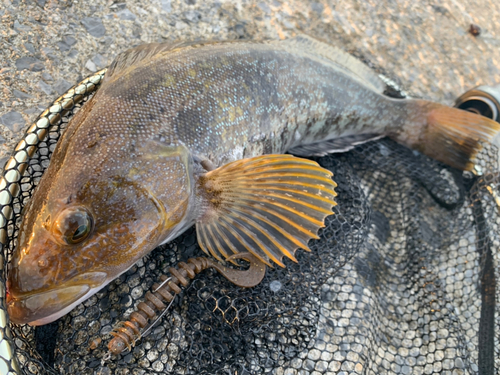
(452, 136)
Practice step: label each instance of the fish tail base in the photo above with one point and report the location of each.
(452, 136)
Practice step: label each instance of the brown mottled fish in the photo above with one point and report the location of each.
(196, 134)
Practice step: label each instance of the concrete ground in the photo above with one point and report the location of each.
(46, 46)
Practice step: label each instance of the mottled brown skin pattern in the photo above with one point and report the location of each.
(133, 155)
(233, 100)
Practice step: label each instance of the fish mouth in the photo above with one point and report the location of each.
(43, 307)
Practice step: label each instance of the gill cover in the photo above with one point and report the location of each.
(79, 235)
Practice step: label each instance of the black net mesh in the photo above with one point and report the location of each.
(402, 281)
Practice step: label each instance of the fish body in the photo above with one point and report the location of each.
(195, 134)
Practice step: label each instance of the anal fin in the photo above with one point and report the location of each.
(269, 206)
(330, 146)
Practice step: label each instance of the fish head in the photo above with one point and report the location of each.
(119, 184)
(80, 233)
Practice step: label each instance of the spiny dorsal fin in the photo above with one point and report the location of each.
(268, 205)
(146, 52)
(137, 54)
(347, 63)
(301, 44)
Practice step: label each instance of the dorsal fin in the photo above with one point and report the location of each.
(350, 65)
(139, 53)
(147, 51)
(302, 44)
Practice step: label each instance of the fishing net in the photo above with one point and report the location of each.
(402, 281)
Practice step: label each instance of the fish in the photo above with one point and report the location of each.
(216, 135)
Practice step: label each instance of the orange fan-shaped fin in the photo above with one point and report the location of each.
(269, 206)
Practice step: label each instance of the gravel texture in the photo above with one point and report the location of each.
(431, 50)
(46, 46)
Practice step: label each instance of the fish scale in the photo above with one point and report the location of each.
(219, 98)
(196, 134)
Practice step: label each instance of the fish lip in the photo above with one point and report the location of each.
(38, 308)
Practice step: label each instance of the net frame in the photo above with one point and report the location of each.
(229, 315)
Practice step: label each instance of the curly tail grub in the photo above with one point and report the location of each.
(128, 332)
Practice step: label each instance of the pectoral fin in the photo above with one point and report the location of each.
(269, 206)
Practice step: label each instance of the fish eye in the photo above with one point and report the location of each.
(73, 225)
